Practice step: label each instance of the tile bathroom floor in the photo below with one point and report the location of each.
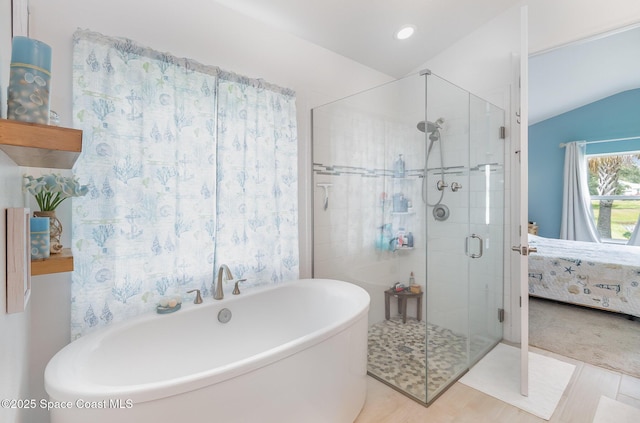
(461, 403)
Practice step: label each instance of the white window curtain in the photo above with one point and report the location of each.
(577, 218)
(149, 227)
(635, 235)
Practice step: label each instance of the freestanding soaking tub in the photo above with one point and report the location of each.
(295, 352)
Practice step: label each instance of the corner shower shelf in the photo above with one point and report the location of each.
(56, 263)
(36, 145)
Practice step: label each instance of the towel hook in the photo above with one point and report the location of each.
(326, 194)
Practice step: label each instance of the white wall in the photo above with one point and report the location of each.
(14, 328)
(553, 23)
(212, 35)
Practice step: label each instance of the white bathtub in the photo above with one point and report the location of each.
(291, 353)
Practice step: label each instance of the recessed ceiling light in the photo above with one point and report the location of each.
(405, 32)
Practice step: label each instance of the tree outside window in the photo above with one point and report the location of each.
(614, 185)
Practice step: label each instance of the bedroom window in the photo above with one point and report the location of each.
(614, 185)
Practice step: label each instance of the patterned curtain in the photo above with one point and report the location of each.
(257, 181)
(149, 226)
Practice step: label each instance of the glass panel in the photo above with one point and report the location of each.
(486, 217)
(614, 185)
(379, 159)
(368, 159)
(447, 272)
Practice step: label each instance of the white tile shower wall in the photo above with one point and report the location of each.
(357, 135)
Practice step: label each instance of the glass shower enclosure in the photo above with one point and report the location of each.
(408, 203)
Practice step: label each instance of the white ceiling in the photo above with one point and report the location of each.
(362, 30)
(583, 72)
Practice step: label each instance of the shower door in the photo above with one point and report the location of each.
(464, 224)
(486, 223)
(377, 159)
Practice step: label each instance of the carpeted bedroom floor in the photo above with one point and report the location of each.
(601, 338)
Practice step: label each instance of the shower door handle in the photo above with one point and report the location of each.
(466, 246)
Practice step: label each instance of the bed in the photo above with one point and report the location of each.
(604, 276)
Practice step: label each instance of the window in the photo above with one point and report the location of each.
(614, 185)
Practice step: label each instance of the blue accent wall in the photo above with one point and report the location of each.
(617, 116)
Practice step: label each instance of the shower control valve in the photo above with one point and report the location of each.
(441, 185)
(455, 186)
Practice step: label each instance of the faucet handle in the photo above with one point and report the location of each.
(236, 290)
(198, 299)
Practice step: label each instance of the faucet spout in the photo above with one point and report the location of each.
(224, 269)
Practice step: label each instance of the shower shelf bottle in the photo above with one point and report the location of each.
(413, 286)
(399, 168)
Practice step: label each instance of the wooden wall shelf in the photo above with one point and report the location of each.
(36, 145)
(56, 263)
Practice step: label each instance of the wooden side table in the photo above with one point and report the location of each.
(402, 303)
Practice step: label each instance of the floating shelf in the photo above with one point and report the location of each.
(56, 263)
(36, 145)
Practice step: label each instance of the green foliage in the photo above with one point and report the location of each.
(624, 215)
(630, 173)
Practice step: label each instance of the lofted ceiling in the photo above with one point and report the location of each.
(363, 30)
(583, 72)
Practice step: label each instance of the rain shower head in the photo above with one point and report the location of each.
(430, 126)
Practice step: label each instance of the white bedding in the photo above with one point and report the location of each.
(598, 275)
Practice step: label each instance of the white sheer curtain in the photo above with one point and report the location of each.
(635, 235)
(577, 218)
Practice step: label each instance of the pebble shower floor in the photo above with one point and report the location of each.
(397, 354)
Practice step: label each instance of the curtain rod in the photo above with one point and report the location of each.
(564, 144)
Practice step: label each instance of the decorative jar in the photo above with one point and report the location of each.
(29, 81)
(40, 245)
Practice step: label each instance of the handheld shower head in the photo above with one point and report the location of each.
(432, 128)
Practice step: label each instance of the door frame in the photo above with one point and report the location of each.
(523, 241)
